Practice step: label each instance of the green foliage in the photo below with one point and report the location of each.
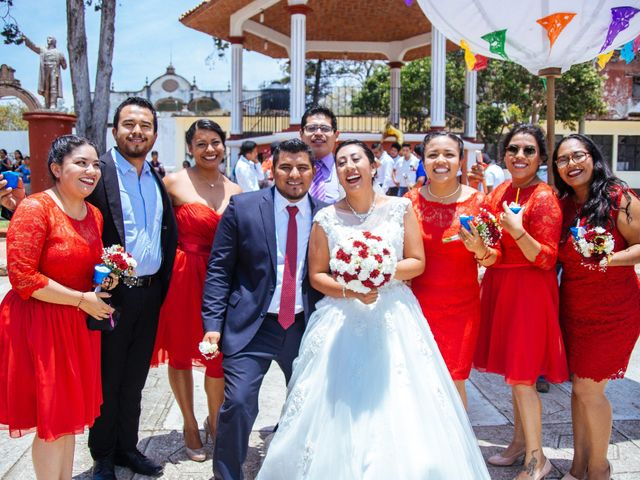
(11, 117)
(507, 94)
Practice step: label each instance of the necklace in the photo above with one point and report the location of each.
(362, 216)
(443, 196)
(205, 180)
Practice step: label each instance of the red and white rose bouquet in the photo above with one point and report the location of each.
(488, 227)
(362, 262)
(119, 261)
(595, 245)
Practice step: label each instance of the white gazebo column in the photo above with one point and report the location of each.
(438, 71)
(236, 99)
(470, 101)
(394, 107)
(297, 51)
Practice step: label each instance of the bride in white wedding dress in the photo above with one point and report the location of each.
(370, 397)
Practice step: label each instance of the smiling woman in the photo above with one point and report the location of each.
(50, 362)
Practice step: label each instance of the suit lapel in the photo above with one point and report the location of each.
(112, 187)
(269, 224)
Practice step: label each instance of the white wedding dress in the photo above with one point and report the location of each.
(370, 397)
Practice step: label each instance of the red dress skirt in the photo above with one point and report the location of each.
(180, 325)
(520, 334)
(49, 360)
(599, 311)
(448, 290)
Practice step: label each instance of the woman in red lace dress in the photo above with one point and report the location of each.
(520, 335)
(49, 360)
(448, 290)
(199, 195)
(599, 308)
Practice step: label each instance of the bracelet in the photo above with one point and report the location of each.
(344, 292)
(486, 255)
(81, 299)
(523, 234)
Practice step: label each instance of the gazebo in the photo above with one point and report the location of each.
(394, 31)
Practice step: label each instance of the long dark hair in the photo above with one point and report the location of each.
(601, 203)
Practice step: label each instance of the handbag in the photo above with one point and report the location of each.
(106, 325)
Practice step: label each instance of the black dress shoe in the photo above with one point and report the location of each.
(103, 469)
(138, 463)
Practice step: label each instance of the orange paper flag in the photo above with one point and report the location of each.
(554, 24)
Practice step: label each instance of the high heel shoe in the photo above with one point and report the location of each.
(207, 431)
(500, 460)
(194, 454)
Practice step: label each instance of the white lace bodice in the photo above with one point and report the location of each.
(386, 221)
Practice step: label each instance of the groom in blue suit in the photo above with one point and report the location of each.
(257, 297)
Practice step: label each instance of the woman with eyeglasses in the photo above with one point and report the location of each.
(520, 335)
(599, 307)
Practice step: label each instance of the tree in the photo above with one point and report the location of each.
(91, 111)
(507, 94)
(11, 117)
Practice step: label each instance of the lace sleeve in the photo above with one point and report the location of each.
(399, 209)
(26, 236)
(325, 219)
(545, 225)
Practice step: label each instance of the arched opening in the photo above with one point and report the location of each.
(203, 105)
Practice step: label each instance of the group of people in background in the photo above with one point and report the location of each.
(20, 164)
(213, 265)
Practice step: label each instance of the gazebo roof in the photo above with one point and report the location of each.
(336, 29)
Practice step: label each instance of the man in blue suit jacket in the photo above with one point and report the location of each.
(257, 297)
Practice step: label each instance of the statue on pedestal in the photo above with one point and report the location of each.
(49, 81)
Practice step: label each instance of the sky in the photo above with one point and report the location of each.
(148, 36)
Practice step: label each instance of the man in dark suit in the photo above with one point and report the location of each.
(257, 297)
(138, 215)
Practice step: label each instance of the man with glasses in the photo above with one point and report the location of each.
(320, 131)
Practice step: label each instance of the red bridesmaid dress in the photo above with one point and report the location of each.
(599, 311)
(520, 335)
(180, 325)
(448, 290)
(49, 360)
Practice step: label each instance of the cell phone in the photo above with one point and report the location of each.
(11, 178)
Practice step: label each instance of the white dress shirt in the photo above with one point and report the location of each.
(406, 171)
(303, 221)
(246, 175)
(383, 173)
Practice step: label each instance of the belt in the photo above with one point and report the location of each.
(195, 248)
(140, 282)
(274, 316)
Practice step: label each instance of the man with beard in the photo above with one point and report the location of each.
(137, 215)
(257, 297)
(320, 131)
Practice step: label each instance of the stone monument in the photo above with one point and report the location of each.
(49, 80)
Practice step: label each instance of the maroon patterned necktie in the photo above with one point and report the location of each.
(287, 313)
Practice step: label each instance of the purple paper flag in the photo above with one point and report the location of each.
(620, 17)
(627, 53)
(408, 2)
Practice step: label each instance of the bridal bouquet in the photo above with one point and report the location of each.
(488, 227)
(594, 244)
(363, 261)
(119, 261)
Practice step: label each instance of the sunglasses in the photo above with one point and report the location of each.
(577, 157)
(528, 150)
(313, 128)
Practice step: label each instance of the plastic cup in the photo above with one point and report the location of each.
(515, 209)
(100, 272)
(464, 221)
(11, 178)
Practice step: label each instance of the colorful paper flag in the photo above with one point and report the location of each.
(554, 24)
(636, 44)
(627, 53)
(604, 58)
(482, 62)
(620, 17)
(497, 42)
(469, 57)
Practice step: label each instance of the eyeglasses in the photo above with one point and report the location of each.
(577, 157)
(528, 150)
(313, 128)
